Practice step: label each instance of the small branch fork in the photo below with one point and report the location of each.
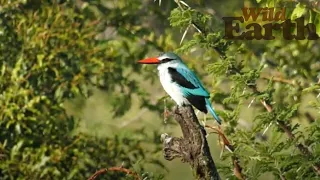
(119, 169)
(225, 143)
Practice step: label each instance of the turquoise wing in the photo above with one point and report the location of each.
(189, 82)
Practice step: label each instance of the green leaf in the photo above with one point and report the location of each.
(298, 11)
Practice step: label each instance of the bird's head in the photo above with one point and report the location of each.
(168, 57)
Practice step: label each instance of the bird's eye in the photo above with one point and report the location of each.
(166, 60)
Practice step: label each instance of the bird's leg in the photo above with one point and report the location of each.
(197, 112)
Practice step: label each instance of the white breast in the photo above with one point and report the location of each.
(170, 87)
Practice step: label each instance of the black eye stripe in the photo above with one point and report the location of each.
(165, 60)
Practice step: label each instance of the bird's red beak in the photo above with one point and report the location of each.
(152, 60)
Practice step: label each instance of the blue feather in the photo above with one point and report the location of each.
(212, 111)
(199, 90)
(191, 77)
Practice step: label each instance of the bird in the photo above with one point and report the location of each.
(182, 85)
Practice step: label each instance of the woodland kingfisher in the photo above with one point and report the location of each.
(181, 83)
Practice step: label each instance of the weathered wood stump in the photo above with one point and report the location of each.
(193, 147)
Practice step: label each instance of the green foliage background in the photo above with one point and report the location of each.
(74, 100)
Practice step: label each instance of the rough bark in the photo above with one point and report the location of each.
(193, 147)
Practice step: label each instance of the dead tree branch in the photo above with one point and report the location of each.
(193, 147)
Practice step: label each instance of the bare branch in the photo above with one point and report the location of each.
(119, 169)
(237, 169)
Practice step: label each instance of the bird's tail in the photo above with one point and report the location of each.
(212, 111)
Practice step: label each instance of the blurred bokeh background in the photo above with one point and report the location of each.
(74, 99)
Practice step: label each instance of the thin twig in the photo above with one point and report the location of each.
(184, 34)
(133, 119)
(201, 31)
(73, 143)
(237, 169)
(119, 169)
(226, 142)
(266, 105)
(280, 79)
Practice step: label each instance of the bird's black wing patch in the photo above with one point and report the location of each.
(180, 79)
(198, 102)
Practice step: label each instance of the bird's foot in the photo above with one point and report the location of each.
(166, 115)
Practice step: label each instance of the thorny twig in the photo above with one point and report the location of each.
(119, 169)
(226, 144)
(225, 141)
(201, 31)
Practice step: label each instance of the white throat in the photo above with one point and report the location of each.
(170, 87)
